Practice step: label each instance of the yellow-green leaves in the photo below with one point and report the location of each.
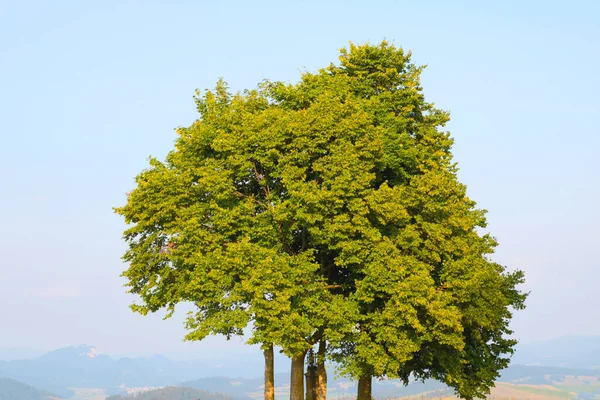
(326, 209)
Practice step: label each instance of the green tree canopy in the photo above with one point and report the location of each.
(326, 210)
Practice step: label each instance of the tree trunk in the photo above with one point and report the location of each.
(321, 378)
(364, 388)
(269, 373)
(310, 384)
(297, 377)
(311, 375)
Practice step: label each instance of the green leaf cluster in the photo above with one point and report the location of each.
(328, 209)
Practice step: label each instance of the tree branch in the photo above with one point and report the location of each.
(240, 194)
(261, 177)
(316, 337)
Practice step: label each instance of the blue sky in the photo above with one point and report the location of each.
(90, 89)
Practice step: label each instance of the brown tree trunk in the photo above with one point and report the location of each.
(321, 378)
(311, 375)
(269, 373)
(310, 384)
(364, 388)
(297, 377)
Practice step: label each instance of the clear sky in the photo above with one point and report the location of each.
(90, 89)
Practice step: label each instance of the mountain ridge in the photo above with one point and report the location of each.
(574, 351)
(84, 366)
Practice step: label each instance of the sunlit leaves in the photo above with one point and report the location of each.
(329, 208)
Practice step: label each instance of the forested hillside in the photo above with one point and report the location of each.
(13, 390)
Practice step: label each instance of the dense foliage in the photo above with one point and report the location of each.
(327, 211)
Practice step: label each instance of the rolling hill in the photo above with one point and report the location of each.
(75, 369)
(14, 390)
(172, 393)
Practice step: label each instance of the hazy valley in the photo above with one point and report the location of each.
(568, 367)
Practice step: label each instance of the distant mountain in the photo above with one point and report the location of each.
(172, 393)
(568, 351)
(76, 366)
(13, 390)
(519, 377)
(519, 382)
(81, 352)
(536, 375)
(85, 367)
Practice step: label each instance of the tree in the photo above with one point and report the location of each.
(326, 212)
(382, 195)
(215, 225)
(190, 219)
(430, 301)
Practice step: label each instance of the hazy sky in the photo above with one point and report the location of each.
(90, 89)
